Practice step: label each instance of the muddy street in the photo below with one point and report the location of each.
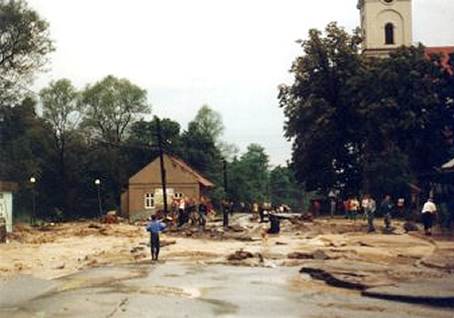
(308, 270)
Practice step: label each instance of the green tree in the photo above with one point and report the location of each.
(249, 176)
(24, 46)
(321, 118)
(141, 145)
(284, 188)
(61, 110)
(110, 107)
(210, 123)
(24, 152)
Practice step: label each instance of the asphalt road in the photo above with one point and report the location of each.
(193, 290)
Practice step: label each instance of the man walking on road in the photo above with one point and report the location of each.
(428, 214)
(155, 226)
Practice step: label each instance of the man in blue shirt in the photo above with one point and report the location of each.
(155, 226)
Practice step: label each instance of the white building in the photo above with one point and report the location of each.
(385, 25)
(6, 203)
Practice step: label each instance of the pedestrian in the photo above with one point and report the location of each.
(225, 212)
(333, 206)
(400, 208)
(203, 210)
(354, 208)
(181, 212)
(386, 208)
(369, 209)
(275, 227)
(155, 226)
(364, 204)
(262, 210)
(428, 214)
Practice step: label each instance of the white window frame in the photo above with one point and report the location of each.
(148, 201)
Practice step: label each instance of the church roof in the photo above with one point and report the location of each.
(444, 51)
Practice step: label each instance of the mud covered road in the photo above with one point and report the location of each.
(328, 268)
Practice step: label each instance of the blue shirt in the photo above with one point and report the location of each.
(155, 226)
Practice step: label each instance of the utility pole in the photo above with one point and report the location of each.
(226, 203)
(98, 188)
(33, 216)
(224, 168)
(161, 160)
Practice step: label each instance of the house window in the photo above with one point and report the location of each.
(149, 200)
(389, 33)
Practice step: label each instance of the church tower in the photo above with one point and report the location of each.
(385, 25)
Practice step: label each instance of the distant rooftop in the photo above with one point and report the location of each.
(444, 51)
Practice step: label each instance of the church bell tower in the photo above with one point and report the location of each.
(385, 25)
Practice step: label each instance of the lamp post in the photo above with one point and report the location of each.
(32, 218)
(98, 186)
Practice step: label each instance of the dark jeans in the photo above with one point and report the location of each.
(370, 221)
(202, 219)
(226, 217)
(427, 219)
(181, 217)
(155, 245)
(388, 220)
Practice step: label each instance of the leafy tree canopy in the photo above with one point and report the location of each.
(24, 46)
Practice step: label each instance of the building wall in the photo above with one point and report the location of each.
(6, 209)
(375, 14)
(148, 180)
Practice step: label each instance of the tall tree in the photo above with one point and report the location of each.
(142, 142)
(110, 107)
(210, 122)
(24, 152)
(249, 176)
(320, 112)
(24, 46)
(284, 188)
(61, 109)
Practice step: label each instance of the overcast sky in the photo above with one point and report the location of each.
(229, 54)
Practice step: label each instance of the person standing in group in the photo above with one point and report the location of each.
(225, 213)
(400, 208)
(155, 226)
(428, 214)
(181, 212)
(370, 206)
(364, 204)
(346, 205)
(262, 210)
(203, 210)
(354, 208)
(386, 208)
(332, 202)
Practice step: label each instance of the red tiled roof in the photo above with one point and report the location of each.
(444, 51)
(202, 180)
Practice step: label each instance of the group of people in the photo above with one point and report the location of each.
(367, 207)
(185, 210)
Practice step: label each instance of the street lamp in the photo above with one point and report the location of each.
(98, 186)
(33, 216)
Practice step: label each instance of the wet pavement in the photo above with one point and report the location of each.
(176, 289)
